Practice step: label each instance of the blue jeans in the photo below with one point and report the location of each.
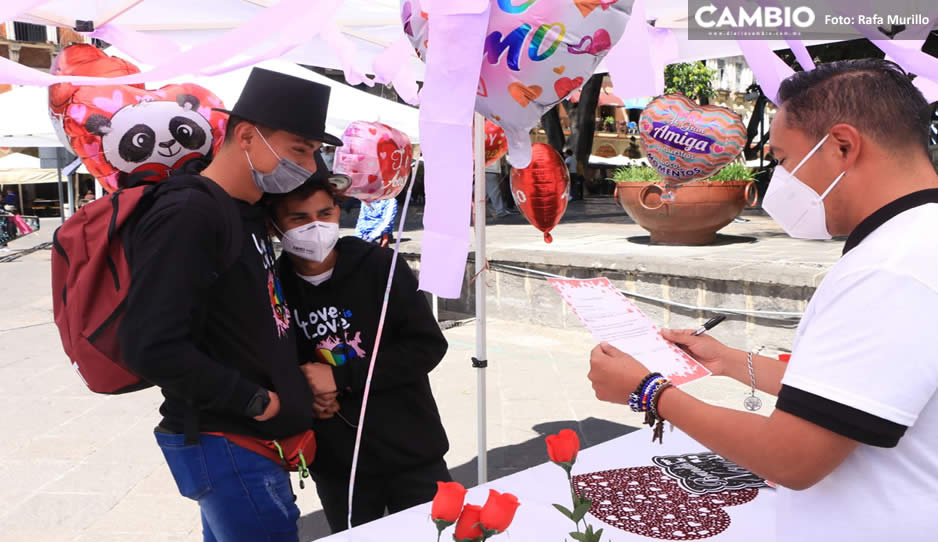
(242, 495)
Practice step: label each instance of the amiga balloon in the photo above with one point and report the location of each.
(687, 142)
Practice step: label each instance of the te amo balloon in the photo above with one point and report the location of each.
(685, 141)
(124, 130)
(376, 158)
(536, 53)
(541, 190)
(496, 144)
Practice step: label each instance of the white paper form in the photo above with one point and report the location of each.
(612, 318)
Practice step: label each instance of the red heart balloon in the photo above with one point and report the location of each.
(393, 160)
(542, 189)
(119, 130)
(496, 144)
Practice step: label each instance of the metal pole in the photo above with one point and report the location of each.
(71, 192)
(480, 362)
(435, 306)
(61, 195)
(762, 139)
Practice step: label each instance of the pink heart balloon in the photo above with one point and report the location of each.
(527, 45)
(687, 142)
(376, 158)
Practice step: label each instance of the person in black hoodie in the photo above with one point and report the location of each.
(216, 336)
(336, 289)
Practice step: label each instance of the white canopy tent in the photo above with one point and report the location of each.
(369, 26)
(19, 168)
(26, 122)
(25, 114)
(346, 104)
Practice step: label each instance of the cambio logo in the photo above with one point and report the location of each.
(758, 17)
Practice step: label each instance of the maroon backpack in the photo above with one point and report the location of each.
(91, 277)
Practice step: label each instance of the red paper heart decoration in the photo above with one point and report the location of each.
(496, 144)
(647, 502)
(377, 159)
(685, 141)
(121, 130)
(542, 189)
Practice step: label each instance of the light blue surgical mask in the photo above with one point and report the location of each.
(286, 177)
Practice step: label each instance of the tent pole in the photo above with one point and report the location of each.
(480, 361)
(58, 168)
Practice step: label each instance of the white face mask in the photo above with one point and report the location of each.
(795, 206)
(313, 242)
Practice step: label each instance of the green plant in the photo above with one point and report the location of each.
(733, 172)
(693, 79)
(636, 174)
(645, 174)
(609, 120)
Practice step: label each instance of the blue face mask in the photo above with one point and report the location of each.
(286, 177)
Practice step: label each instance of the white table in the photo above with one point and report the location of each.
(538, 487)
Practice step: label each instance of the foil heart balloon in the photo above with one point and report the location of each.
(542, 190)
(537, 52)
(125, 130)
(496, 144)
(685, 141)
(80, 59)
(377, 159)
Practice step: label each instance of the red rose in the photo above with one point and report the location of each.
(467, 528)
(563, 447)
(448, 501)
(499, 510)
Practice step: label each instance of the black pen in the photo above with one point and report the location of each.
(711, 323)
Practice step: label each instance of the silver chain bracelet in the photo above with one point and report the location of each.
(752, 403)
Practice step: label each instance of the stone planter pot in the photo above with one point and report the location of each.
(699, 211)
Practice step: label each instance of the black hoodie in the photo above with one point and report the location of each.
(210, 337)
(336, 323)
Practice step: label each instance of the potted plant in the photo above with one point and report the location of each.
(699, 209)
(610, 123)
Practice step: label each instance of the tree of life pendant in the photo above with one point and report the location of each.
(752, 403)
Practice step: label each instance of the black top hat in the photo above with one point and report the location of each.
(284, 102)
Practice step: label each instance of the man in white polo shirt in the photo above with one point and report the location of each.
(855, 433)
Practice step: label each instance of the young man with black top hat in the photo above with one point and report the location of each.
(217, 338)
(336, 289)
(851, 443)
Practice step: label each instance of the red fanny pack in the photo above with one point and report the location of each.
(293, 453)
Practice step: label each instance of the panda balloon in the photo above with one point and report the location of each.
(126, 134)
(153, 138)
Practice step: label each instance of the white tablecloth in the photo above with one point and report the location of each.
(538, 487)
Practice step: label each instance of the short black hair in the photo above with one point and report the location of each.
(316, 183)
(235, 120)
(875, 96)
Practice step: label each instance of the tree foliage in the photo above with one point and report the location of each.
(693, 79)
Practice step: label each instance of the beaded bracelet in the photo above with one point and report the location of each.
(635, 398)
(653, 417)
(649, 391)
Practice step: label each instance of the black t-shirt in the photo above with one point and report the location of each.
(210, 337)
